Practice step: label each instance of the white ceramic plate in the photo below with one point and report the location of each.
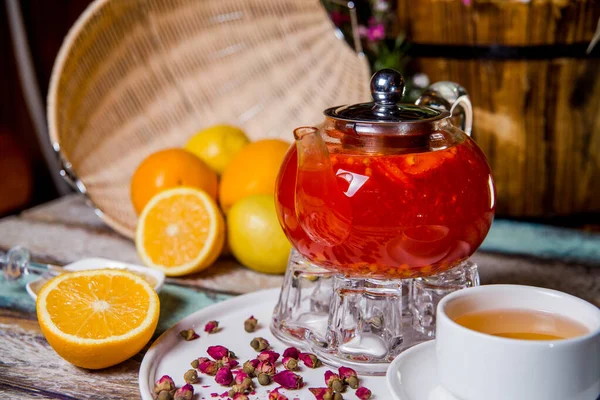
(33, 287)
(171, 355)
(413, 375)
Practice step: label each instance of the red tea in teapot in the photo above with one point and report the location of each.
(397, 215)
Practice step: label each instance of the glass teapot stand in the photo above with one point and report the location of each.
(360, 323)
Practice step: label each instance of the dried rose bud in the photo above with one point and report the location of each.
(275, 395)
(237, 388)
(338, 396)
(199, 361)
(211, 327)
(224, 377)
(218, 352)
(322, 393)
(334, 381)
(264, 379)
(165, 395)
(250, 366)
(164, 383)
(291, 352)
(185, 392)
(227, 362)
(248, 383)
(268, 355)
(260, 344)
(240, 396)
(288, 380)
(208, 367)
(310, 360)
(189, 334)
(191, 376)
(239, 376)
(330, 376)
(250, 324)
(265, 367)
(352, 381)
(290, 363)
(346, 372)
(363, 393)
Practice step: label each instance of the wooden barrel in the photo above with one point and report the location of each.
(535, 90)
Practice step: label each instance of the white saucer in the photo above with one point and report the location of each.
(413, 375)
(171, 355)
(34, 287)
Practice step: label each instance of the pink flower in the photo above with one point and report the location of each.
(218, 352)
(346, 372)
(288, 379)
(266, 368)
(320, 393)
(275, 395)
(211, 327)
(349, 376)
(310, 360)
(363, 31)
(290, 363)
(330, 376)
(363, 393)
(240, 396)
(189, 334)
(186, 392)
(208, 367)
(376, 32)
(164, 383)
(224, 376)
(291, 352)
(240, 376)
(268, 355)
(228, 362)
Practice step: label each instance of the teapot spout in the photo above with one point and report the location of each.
(323, 210)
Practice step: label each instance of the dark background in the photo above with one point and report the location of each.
(47, 22)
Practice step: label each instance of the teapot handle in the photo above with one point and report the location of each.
(451, 97)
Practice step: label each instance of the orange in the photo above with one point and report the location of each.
(167, 169)
(253, 170)
(97, 318)
(180, 231)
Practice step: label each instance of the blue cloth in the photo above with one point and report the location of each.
(543, 241)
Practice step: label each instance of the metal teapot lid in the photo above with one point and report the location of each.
(387, 90)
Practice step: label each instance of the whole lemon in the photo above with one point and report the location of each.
(252, 171)
(255, 236)
(167, 169)
(217, 145)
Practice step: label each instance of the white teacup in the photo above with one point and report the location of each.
(478, 366)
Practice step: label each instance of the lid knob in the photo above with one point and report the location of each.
(387, 87)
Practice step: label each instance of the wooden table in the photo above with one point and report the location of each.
(67, 230)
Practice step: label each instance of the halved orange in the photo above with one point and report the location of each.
(97, 318)
(180, 231)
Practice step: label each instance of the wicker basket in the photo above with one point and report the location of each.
(136, 76)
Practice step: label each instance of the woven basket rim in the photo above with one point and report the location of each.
(57, 69)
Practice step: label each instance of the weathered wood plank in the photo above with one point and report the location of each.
(31, 368)
(536, 120)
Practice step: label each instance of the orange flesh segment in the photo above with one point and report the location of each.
(176, 230)
(98, 307)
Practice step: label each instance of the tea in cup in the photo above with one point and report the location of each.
(501, 342)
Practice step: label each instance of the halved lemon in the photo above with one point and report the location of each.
(97, 318)
(180, 231)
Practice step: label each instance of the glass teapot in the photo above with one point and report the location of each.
(388, 190)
